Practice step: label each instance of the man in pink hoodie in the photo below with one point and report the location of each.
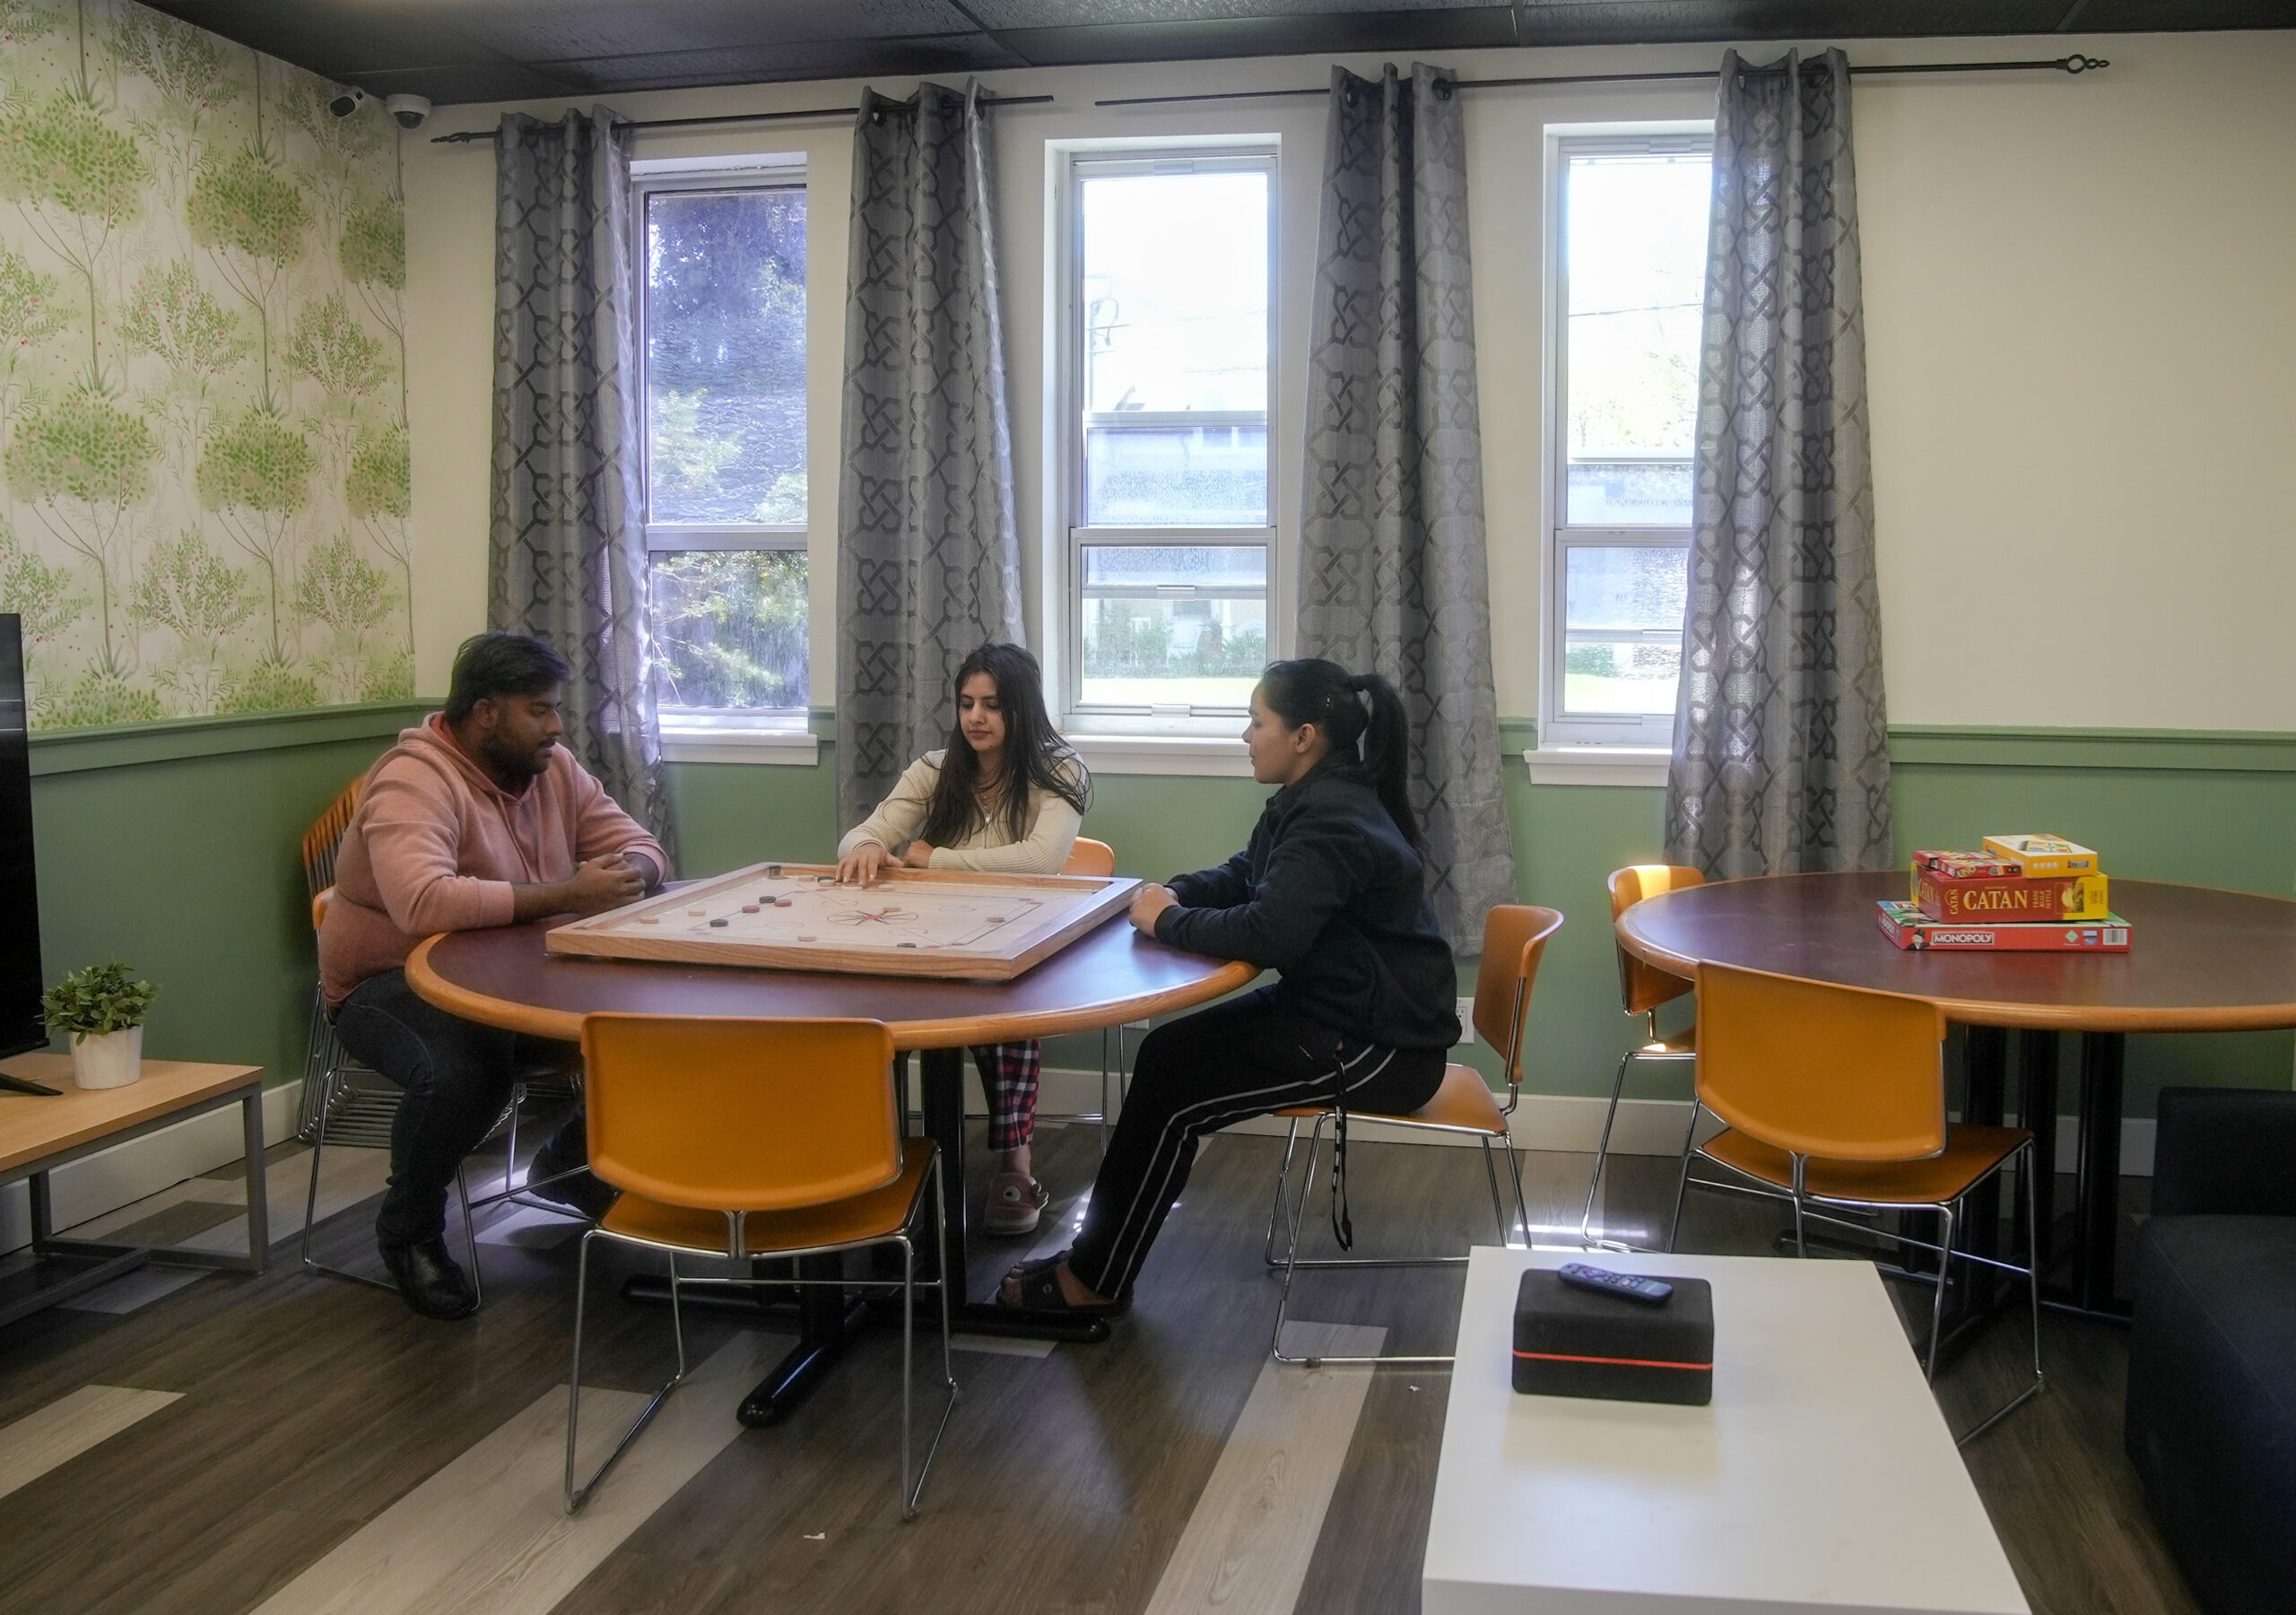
(477, 817)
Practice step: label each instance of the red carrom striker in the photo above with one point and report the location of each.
(1575, 1342)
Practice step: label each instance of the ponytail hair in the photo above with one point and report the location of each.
(1361, 717)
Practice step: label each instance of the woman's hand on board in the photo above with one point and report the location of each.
(864, 865)
(1147, 903)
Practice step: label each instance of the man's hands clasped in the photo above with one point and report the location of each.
(599, 884)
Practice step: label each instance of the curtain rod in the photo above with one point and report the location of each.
(2066, 64)
(463, 136)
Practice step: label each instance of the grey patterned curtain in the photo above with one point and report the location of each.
(1392, 578)
(1781, 754)
(567, 556)
(928, 566)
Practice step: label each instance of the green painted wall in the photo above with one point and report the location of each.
(2209, 809)
(174, 846)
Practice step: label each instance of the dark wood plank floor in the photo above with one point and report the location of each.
(311, 1406)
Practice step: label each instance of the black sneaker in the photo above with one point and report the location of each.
(559, 1176)
(429, 1279)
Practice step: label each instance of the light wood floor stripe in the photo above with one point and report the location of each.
(69, 1425)
(488, 1535)
(1246, 1546)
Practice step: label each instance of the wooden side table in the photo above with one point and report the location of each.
(39, 1133)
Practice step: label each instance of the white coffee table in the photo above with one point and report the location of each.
(1821, 1478)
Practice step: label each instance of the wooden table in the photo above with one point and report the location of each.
(39, 1133)
(506, 978)
(2202, 960)
(1821, 1476)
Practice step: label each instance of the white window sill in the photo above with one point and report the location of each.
(724, 740)
(1598, 765)
(1200, 756)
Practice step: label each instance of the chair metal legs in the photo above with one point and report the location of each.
(1293, 1208)
(576, 1496)
(334, 1076)
(909, 1494)
(1811, 1208)
(1603, 1148)
(912, 1475)
(1681, 1184)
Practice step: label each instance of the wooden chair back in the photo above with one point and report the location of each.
(1643, 988)
(326, 836)
(1844, 1073)
(1514, 941)
(739, 1115)
(1090, 857)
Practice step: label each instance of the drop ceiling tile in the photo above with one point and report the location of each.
(336, 38)
(1480, 27)
(1073, 14)
(852, 58)
(569, 30)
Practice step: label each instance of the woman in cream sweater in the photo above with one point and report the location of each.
(1007, 795)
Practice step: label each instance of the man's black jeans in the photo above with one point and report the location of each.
(458, 1076)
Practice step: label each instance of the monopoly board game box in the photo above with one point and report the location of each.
(1906, 925)
(1995, 898)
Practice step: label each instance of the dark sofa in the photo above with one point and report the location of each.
(2212, 1355)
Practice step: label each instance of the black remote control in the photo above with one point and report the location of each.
(1626, 1286)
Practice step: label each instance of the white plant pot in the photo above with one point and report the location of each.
(108, 1059)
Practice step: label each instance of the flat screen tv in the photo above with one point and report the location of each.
(20, 1027)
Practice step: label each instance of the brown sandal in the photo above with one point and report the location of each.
(1038, 1283)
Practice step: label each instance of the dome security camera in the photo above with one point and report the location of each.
(409, 110)
(346, 100)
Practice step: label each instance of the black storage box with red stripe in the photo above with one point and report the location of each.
(1575, 1342)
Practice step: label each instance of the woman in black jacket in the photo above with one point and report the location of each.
(1332, 894)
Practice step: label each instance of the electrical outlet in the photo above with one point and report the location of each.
(1466, 1022)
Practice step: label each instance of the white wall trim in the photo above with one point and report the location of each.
(1200, 756)
(1573, 1123)
(128, 1172)
(1543, 1120)
(788, 748)
(1597, 764)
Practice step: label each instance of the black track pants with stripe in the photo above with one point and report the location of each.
(1246, 1058)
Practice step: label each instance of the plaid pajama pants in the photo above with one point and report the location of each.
(1008, 1075)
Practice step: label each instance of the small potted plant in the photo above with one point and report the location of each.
(103, 1011)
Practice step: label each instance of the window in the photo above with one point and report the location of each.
(1171, 529)
(1631, 283)
(723, 334)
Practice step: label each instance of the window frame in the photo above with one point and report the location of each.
(777, 171)
(1558, 727)
(1258, 154)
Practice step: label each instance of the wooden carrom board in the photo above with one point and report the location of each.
(794, 916)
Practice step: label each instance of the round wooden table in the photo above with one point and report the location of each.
(505, 977)
(2202, 960)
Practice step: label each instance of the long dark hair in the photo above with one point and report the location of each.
(1034, 754)
(1310, 691)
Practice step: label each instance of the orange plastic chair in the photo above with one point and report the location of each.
(1090, 857)
(744, 1139)
(1514, 940)
(1836, 1096)
(1642, 989)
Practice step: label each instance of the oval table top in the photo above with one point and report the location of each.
(2202, 960)
(504, 978)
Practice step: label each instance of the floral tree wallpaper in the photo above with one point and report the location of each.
(203, 420)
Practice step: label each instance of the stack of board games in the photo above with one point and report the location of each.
(2024, 893)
